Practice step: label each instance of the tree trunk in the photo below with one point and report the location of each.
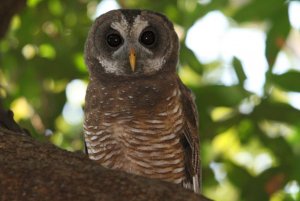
(31, 170)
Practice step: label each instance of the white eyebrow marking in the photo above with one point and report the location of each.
(121, 26)
(138, 26)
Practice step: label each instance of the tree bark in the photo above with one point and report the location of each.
(32, 170)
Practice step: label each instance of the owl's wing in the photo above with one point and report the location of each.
(190, 139)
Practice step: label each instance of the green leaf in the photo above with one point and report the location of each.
(33, 3)
(277, 35)
(279, 147)
(281, 112)
(239, 71)
(79, 62)
(238, 175)
(274, 11)
(188, 57)
(55, 7)
(47, 51)
(259, 10)
(245, 130)
(218, 95)
(289, 81)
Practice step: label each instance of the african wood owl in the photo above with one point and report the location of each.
(139, 117)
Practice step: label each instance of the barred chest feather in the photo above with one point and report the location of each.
(136, 128)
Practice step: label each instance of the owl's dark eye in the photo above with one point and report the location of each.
(147, 38)
(114, 40)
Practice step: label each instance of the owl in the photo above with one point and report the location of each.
(139, 117)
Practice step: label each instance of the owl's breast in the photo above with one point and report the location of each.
(137, 139)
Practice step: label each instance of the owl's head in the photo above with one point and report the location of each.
(131, 43)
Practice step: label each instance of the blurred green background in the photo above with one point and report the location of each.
(240, 57)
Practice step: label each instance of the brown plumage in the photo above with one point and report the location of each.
(140, 119)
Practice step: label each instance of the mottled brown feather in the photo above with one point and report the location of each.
(191, 138)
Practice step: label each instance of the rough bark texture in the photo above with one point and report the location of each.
(31, 170)
(7, 9)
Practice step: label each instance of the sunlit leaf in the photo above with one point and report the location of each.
(79, 62)
(221, 113)
(15, 23)
(227, 143)
(21, 108)
(33, 3)
(189, 77)
(55, 7)
(47, 51)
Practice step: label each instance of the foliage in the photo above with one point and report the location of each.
(43, 52)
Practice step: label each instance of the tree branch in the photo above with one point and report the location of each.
(31, 170)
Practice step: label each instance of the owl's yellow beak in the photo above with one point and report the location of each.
(132, 59)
